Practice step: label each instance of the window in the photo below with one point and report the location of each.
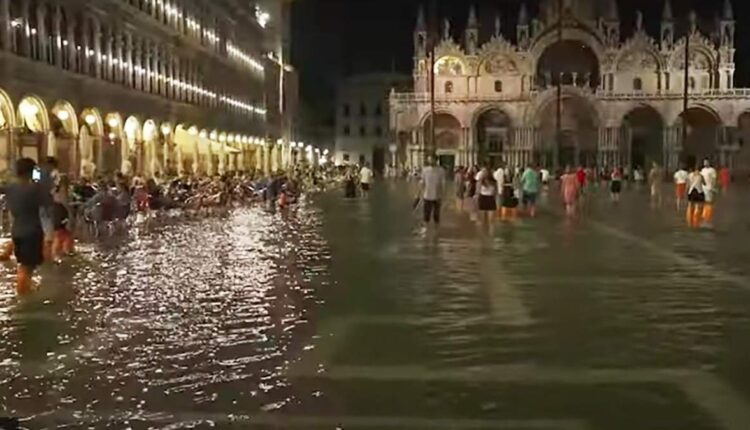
(378, 110)
(362, 131)
(692, 83)
(498, 86)
(362, 159)
(346, 110)
(379, 131)
(346, 157)
(448, 87)
(362, 110)
(637, 84)
(347, 130)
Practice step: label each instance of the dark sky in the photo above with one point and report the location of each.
(335, 38)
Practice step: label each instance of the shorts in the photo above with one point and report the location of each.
(487, 203)
(529, 199)
(616, 187)
(29, 249)
(679, 190)
(696, 196)
(365, 187)
(46, 218)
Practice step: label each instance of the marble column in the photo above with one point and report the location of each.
(73, 58)
(97, 42)
(41, 33)
(25, 42)
(137, 64)
(86, 46)
(5, 28)
(128, 60)
(148, 54)
(57, 37)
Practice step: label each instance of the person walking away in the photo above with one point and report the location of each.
(61, 217)
(680, 186)
(530, 185)
(487, 196)
(365, 179)
(432, 186)
(724, 179)
(615, 184)
(696, 198)
(710, 179)
(509, 200)
(350, 185)
(25, 198)
(569, 190)
(655, 179)
(499, 176)
(48, 181)
(545, 177)
(459, 181)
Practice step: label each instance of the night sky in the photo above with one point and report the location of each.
(332, 39)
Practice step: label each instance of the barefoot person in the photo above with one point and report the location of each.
(25, 198)
(569, 190)
(365, 179)
(655, 179)
(432, 186)
(680, 186)
(615, 184)
(530, 185)
(696, 198)
(487, 196)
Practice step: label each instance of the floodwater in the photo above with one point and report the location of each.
(344, 314)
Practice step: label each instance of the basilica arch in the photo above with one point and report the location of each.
(492, 135)
(570, 60)
(579, 129)
(704, 134)
(646, 137)
(449, 139)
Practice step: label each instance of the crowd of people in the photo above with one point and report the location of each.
(48, 209)
(508, 192)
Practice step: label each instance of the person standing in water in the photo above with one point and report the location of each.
(487, 196)
(655, 179)
(615, 185)
(569, 190)
(25, 198)
(432, 186)
(709, 189)
(696, 198)
(365, 179)
(680, 186)
(530, 185)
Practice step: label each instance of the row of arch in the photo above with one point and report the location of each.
(89, 143)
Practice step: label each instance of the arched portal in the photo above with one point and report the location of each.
(166, 148)
(62, 143)
(703, 135)
(647, 137)
(33, 121)
(448, 140)
(7, 123)
(89, 144)
(576, 143)
(742, 160)
(111, 156)
(492, 136)
(133, 162)
(571, 61)
(151, 163)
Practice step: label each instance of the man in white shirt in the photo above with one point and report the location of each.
(709, 181)
(432, 186)
(365, 179)
(680, 186)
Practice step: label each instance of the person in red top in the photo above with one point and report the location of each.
(724, 179)
(581, 179)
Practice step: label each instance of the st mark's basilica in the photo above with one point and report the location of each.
(621, 95)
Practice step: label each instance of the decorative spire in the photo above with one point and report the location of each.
(421, 26)
(523, 15)
(473, 22)
(498, 26)
(638, 21)
(666, 15)
(612, 14)
(728, 11)
(693, 20)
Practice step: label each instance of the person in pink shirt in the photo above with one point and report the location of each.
(569, 188)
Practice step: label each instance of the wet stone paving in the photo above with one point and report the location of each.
(345, 315)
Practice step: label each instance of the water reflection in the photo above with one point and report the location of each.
(197, 315)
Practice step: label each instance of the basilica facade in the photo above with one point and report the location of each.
(572, 89)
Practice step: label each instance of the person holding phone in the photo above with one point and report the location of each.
(25, 198)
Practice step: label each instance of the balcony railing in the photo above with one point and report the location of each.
(734, 93)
